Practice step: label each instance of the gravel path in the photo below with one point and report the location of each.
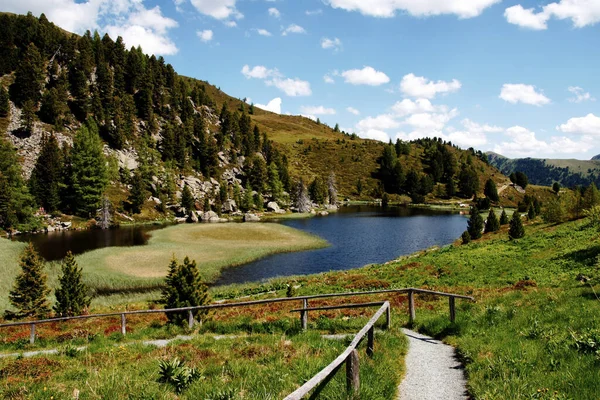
(432, 371)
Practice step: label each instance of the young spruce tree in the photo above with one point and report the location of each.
(516, 230)
(475, 224)
(29, 293)
(492, 224)
(71, 296)
(503, 218)
(184, 287)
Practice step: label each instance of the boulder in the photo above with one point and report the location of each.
(210, 216)
(66, 225)
(229, 206)
(193, 218)
(273, 206)
(180, 220)
(248, 217)
(323, 213)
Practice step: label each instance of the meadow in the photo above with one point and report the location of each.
(119, 275)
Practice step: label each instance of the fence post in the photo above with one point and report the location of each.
(32, 334)
(370, 341)
(304, 315)
(190, 319)
(411, 306)
(123, 325)
(352, 373)
(452, 308)
(388, 317)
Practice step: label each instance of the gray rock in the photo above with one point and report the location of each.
(210, 215)
(273, 206)
(180, 220)
(229, 206)
(323, 213)
(248, 217)
(66, 225)
(193, 218)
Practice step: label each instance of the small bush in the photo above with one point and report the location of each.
(177, 374)
(466, 237)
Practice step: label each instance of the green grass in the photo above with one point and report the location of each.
(129, 274)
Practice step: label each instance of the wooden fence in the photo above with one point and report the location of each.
(303, 311)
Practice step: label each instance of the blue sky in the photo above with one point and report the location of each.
(517, 77)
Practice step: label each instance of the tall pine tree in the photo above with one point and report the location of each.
(475, 224)
(492, 224)
(46, 175)
(29, 77)
(4, 107)
(88, 168)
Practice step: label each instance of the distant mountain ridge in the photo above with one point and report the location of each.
(545, 171)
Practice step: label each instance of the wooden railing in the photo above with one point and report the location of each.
(349, 356)
(303, 311)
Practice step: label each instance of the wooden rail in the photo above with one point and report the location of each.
(303, 312)
(349, 356)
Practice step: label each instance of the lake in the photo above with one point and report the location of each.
(358, 235)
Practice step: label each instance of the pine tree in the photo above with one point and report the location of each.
(274, 183)
(138, 193)
(475, 224)
(492, 224)
(29, 293)
(88, 168)
(28, 116)
(466, 238)
(46, 175)
(516, 230)
(4, 106)
(247, 200)
(184, 287)
(71, 296)
(29, 77)
(531, 213)
(187, 200)
(491, 191)
(503, 218)
(318, 190)
(556, 187)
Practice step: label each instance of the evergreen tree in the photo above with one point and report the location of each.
(4, 106)
(274, 183)
(29, 293)
(531, 213)
(492, 224)
(46, 175)
(556, 187)
(503, 218)
(475, 224)
(29, 77)
(28, 116)
(71, 296)
(184, 287)
(591, 197)
(258, 173)
(247, 200)
(491, 191)
(15, 201)
(138, 193)
(521, 179)
(468, 182)
(516, 230)
(187, 200)
(466, 238)
(318, 190)
(450, 188)
(88, 168)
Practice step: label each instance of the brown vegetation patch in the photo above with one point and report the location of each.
(406, 267)
(362, 282)
(38, 368)
(524, 284)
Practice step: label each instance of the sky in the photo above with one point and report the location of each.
(517, 77)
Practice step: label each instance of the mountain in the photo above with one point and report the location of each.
(160, 132)
(545, 171)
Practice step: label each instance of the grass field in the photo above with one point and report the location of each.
(122, 274)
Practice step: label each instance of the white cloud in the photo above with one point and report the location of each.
(273, 106)
(318, 11)
(293, 28)
(263, 32)
(407, 107)
(258, 72)
(272, 77)
(381, 122)
(428, 122)
(353, 110)
(588, 125)
(581, 13)
(218, 9)
(473, 134)
(230, 24)
(273, 12)
(418, 86)
(335, 43)
(474, 127)
(374, 134)
(309, 116)
(317, 110)
(366, 76)
(291, 87)
(137, 25)
(526, 18)
(524, 143)
(520, 93)
(419, 8)
(580, 95)
(205, 35)
(328, 79)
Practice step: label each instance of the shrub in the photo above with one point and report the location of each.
(177, 374)
(466, 238)
(516, 230)
(503, 218)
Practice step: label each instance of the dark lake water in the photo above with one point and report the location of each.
(358, 235)
(55, 245)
